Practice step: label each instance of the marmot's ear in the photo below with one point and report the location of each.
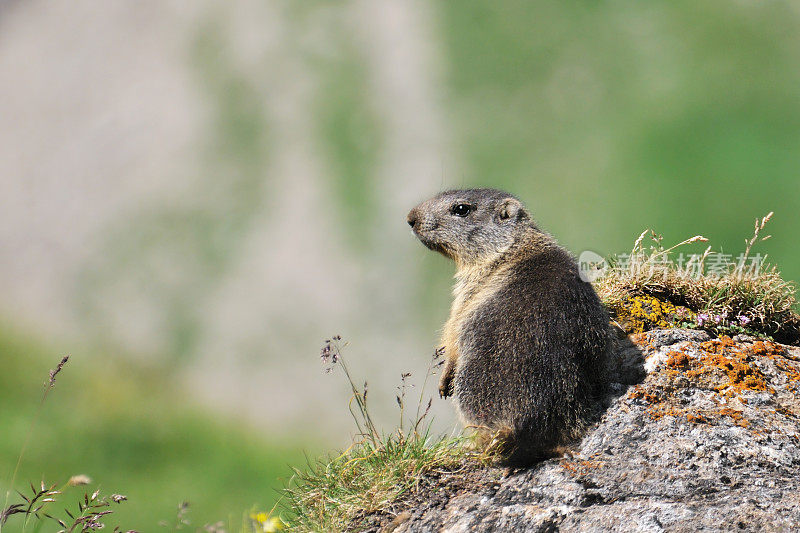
(511, 208)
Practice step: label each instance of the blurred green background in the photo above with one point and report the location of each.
(196, 194)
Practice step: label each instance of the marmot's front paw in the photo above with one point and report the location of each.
(446, 386)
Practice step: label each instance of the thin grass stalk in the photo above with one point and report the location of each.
(51, 383)
(373, 432)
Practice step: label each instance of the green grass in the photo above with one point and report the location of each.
(130, 430)
(378, 474)
(344, 491)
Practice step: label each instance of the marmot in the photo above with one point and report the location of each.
(526, 340)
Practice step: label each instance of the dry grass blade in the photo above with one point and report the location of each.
(746, 295)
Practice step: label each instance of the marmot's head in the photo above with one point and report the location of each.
(470, 226)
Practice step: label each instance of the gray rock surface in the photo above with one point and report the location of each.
(698, 435)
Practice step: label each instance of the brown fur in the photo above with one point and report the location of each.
(526, 338)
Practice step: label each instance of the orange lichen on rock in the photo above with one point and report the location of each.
(718, 345)
(639, 393)
(696, 418)
(737, 417)
(580, 467)
(766, 348)
(678, 360)
(778, 355)
(792, 373)
(736, 364)
(657, 412)
(730, 368)
(641, 339)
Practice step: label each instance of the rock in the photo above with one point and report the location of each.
(709, 440)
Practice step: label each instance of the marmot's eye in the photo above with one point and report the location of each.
(461, 210)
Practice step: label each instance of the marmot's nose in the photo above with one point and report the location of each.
(412, 218)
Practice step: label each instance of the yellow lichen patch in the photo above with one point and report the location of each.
(637, 314)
